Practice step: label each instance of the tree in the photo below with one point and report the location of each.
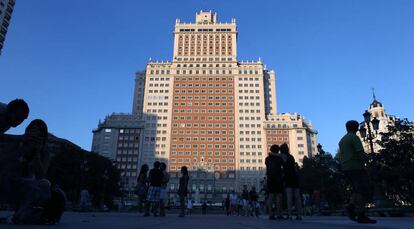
(321, 172)
(101, 177)
(394, 164)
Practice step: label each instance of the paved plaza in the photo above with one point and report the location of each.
(135, 221)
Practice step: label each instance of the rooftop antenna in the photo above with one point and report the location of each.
(373, 93)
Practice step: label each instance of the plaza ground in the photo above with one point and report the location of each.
(75, 220)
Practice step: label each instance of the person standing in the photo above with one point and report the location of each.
(274, 163)
(189, 206)
(142, 186)
(12, 114)
(164, 183)
(233, 202)
(351, 157)
(182, 190)
(227, 204)
(154, 190)
(245, 201)
(291, 182)
(253, 197)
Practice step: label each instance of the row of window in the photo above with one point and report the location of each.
(203, 139)
(241, 118)
(277, 131)
(177, 79)
(128, 145)
(248, 168)
(250, 139)
(157, 104)
(223, 168)
(127, 151)
(250, 91)
(216, 160)
(223, 97)
(204, 132)
(157, 97)
(277, 139)
(204, 65)
(157, 72)
(249, 97)
(242, 153)
(209, 146)
(249, 111)
(158, 91)
(250, 125)
(203, 111)
(155, 110)
(248, 85)
(249, 79)
(202, 30)
(126, 159)
(204, 85)
(249, 104)
(202, 153)
(159, 85)
(251, 161)
(204, 59)
(225, 104)
(216, 125)
(250, 132)
(250, 146)
(204, 53)
(280, 126)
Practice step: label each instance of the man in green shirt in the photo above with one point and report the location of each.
(352, 157)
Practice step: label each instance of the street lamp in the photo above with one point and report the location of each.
(363, 131)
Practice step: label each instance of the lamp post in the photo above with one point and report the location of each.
(379, 197)
(375, 126)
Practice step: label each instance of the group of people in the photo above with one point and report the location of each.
(282, 176)
(151, 189)
(24, 161)
(246, 204)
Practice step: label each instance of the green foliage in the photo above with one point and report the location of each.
(394, 164)
(322, 173)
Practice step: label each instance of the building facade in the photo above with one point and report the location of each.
(209, 111)
(119, 138)
(377, 111)
(6, 10)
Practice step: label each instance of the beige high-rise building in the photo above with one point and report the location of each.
(209, 111)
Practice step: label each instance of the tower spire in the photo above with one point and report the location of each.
(373, 94)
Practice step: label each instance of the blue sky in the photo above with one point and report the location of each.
(74, 61)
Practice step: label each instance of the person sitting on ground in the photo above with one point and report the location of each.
(22, 176)
(183, 189)
(351, 157)
(164, 183)
(154, 191)
(274, 163)
(13, 114)
(291, 182)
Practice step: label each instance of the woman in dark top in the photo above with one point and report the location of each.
(291, 181)
(142, 186)
(182, 189)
